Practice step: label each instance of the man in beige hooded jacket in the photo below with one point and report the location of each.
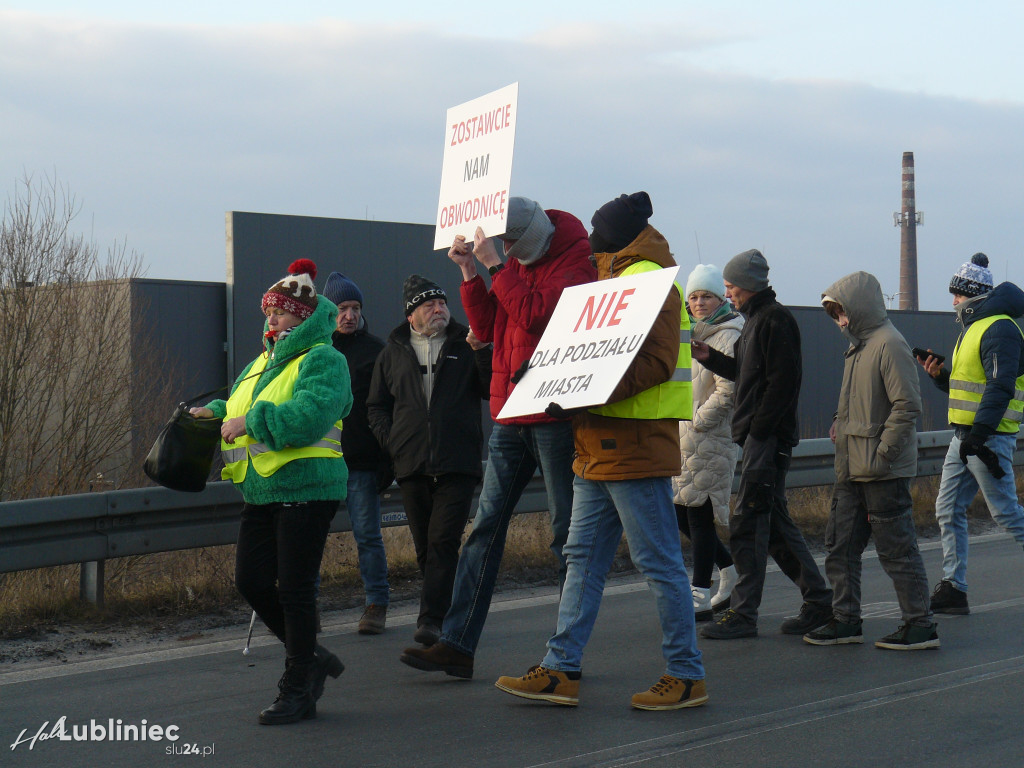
(876, 456)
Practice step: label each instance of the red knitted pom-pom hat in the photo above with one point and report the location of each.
(295, 293)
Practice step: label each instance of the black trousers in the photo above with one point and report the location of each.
(276, 566)
(437, 508)
(760, 526)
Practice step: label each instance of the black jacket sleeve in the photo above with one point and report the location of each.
(380, 403)
(483, 367)
(721, 364)
(780, 340)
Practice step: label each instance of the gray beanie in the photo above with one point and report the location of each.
(747, 270)
(529, 230)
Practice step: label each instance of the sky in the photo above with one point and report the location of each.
(779, 126)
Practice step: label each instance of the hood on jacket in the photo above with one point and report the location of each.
(861, 297)
(569, 231)
(1004, 299)
(650, 245)
(317, 328)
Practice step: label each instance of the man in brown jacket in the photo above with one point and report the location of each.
(627, 452)
(876, 456)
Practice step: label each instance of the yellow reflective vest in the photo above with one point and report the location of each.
(672, 399)
(265, 461)
(967, 381)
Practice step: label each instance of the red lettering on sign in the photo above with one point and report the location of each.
(620, 306)
(589, 316)
(589, 312)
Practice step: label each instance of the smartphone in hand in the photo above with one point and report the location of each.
(924, 354)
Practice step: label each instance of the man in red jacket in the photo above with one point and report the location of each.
(546, 252)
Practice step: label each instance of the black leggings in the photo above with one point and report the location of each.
(698, 523)
(276, 566)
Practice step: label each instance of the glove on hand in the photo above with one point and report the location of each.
(991, 462)
(518, 374)
(555, 411)
(974, 445)
(970, 446)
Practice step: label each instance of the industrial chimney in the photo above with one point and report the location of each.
(907, 220)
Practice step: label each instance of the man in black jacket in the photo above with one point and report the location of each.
(424, 408)
(368, 465)
(767, 371)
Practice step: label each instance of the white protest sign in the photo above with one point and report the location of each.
(478, 140)
(592, 337)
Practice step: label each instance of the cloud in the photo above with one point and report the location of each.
(160, 129)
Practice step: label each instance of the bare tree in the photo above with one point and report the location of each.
(67, 374)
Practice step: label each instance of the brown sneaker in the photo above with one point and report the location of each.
(439, 658)
(544, 684)
(671, 693)
(373, 619)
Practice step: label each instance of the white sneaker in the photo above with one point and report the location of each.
(702, 603)
(726, 581)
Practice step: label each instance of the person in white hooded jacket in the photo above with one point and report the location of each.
(702, 490)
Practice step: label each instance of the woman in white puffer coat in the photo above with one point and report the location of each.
(703, 489)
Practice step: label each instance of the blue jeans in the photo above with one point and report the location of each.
(601, 511)
(363, 507)
(513, 455)
(958, 487)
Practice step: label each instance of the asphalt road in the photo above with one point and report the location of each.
(775, 701)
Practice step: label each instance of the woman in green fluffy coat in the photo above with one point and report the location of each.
(282, 448)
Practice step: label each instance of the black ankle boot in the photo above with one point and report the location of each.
(295, 700)
(326, 664)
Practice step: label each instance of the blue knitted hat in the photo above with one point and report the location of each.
(339, 288)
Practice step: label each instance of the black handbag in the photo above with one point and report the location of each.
(182, 454)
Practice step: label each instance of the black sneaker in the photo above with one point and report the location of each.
(910, 638)
(811, 617)
(730, 627)
(948, 599)
(836, 633)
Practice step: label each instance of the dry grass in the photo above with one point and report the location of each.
(154, 588)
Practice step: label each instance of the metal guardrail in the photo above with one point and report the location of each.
(91, 528)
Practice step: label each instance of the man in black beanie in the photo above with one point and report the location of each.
(424, 408)
(767, 369)
(618, 222)
(627, 452)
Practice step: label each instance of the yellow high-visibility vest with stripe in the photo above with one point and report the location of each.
(672, 399)
(967, 381)
(265, 461)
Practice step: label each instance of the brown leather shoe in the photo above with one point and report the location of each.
(439, 658)
(373, 619)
